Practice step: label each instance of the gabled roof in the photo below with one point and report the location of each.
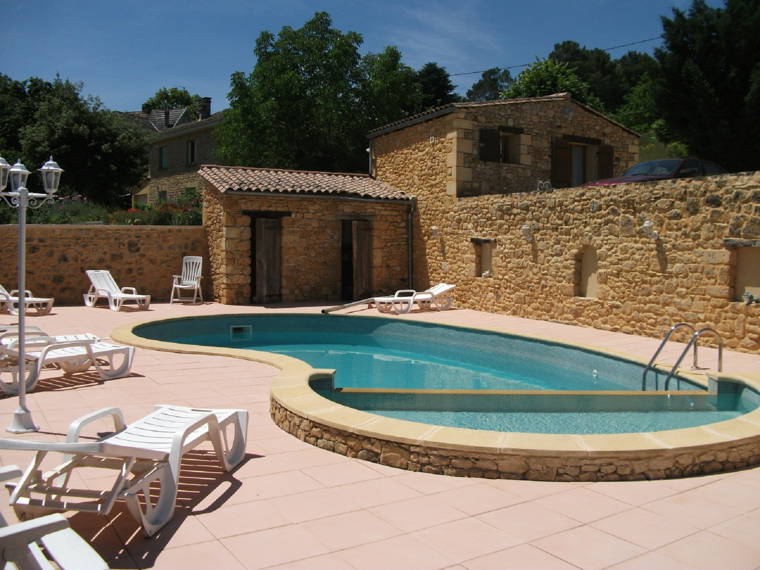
(246, 179)
(452, 107)
(159, 119)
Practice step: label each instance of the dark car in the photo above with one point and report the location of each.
(663, 169)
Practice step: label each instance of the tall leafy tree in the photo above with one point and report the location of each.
(102, 153)
(437, 88)
(708, 88)
(490, 85)
(173, 98)
(311, 98)
(546, 77)
(592, 66)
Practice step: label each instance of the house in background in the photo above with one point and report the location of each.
(504, 147)
(180, 144)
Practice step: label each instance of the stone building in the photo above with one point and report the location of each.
(180, 144)
(633, 258)
(503, 147)
(285, 235)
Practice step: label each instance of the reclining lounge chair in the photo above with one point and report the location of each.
(9, 302)
(103, 286)
(438, 297)
(142, 453)
(22, 543)
(71, 353)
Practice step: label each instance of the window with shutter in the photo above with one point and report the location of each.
(561, 164)
(489, 145)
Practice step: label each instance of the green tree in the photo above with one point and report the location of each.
(311, 98)
(546, 77)
(389, 89)
(102, 153)
(490, 85)
(437, 88)
(173, 98)
(708, 87)
(592, 66)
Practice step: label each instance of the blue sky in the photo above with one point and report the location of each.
(125, 50)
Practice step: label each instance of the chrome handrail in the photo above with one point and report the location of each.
(650, 366)
(694, 340)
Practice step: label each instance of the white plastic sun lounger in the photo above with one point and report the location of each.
(103, 286)
(438, 297)
(22, 542)
(143, 453)
(9, 302)
(71, 353)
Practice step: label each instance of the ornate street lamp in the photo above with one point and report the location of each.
(21, 199)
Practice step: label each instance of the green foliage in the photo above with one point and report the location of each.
(311, 99)
(708, 85)
(546, 77)
(639, 111)
(101, 152)
(174, 98)
(490, 85)
(437, 88)
(162, 214)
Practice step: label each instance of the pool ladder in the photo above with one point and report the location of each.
(695, 335)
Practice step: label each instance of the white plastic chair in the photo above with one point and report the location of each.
(104, 287)
(143, 453)
(438, 297)
(9, 302)
(192, 267)
(20, 543)
(71, 353)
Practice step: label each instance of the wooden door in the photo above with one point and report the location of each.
(268, 261)
(361, 258)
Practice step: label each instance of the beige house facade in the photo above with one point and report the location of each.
(180, 145)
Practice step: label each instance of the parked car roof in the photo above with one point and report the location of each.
(663, 169)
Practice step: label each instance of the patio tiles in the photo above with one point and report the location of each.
(528, 521)
(418, 513)
(644, 528)
(464, 539)
(583, 505)
(292, 505)
(587, 547)
(522, 556)
(709, 551)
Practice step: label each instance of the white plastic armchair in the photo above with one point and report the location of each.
(9, 302)
(103, 286)
(20, 543)
(190, 280)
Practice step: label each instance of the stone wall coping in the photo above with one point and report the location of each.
(291, 390)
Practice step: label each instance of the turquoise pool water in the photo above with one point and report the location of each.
(395, 354)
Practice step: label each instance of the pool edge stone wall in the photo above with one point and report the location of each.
(532, 465)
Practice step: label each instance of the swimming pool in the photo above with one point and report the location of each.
(308, 400)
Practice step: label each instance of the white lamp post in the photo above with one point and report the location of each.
(21, 199)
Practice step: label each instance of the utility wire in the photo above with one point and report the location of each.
(529, 64)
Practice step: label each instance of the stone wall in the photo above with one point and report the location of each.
(644, 285)
(57, 257)
(170, 187)
(311, 243)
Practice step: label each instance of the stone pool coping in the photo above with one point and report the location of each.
(299, 410)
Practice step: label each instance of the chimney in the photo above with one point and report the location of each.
(205, 109)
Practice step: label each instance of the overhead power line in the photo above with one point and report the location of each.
(528, 64)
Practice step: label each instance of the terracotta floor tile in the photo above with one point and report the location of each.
(398, 553)
(634, 492)
(231, 520)
(417, 513)
(645, 528)
(744, 529)
(523, 556)
(341, 474)
(465, 539)
(528, 521)
(478, 498)
(197, 556)
(315, 504)
(709, 551)
(351, 529)
(273, 546)
(326, 562)
(651, 561)
(588, 548)
(583, 505)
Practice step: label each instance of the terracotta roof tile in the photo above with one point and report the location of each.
(272, 180)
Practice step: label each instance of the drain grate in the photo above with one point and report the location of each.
(241, 332)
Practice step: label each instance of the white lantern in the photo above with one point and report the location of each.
(51, 176)
(18, 176)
